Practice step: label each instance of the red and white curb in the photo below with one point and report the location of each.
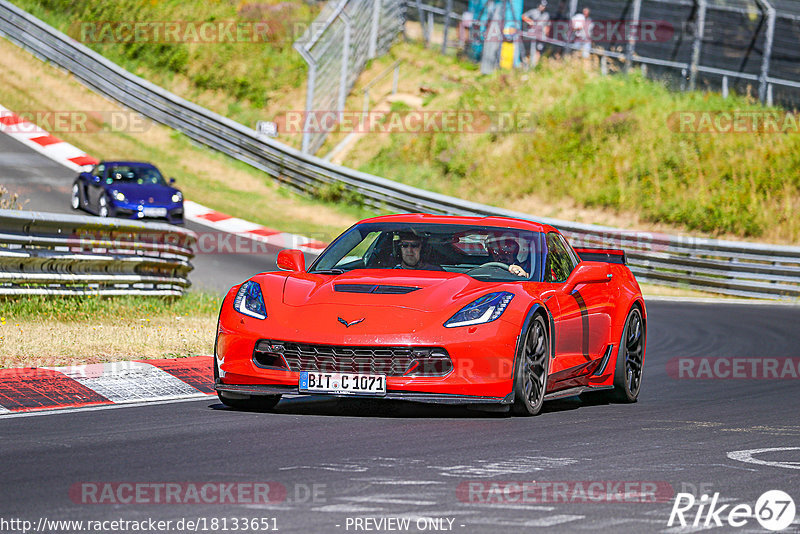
(195, 212)
(49, 388)
(77, 160)
(41, 141)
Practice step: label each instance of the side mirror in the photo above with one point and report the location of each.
(172, 181)
(292, 260)
(588, 272)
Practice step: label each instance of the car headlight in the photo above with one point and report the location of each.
(118, 195)
(250, 301)
(483, 310)
(177, 197)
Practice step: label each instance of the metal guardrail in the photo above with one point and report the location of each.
(55, 254)
(736, 268)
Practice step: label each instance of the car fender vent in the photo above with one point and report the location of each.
(373, 288)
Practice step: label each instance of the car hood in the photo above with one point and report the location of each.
(142, 194)
(426, 291)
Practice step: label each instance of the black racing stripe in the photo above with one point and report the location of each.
(585, 322)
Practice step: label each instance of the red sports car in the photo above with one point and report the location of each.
(440, 309)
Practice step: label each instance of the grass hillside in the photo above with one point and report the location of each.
(602, 144)
(229, 75)
(602, 148)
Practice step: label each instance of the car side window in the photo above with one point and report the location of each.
(559, 262)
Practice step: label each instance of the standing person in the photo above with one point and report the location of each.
(582, 31)
(538, 20)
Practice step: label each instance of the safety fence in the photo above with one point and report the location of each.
(55, 254)
(337, 46)
(747, 46)
(745, 269)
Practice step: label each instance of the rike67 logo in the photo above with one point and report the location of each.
(774, 510)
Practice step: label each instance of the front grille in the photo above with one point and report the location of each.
(389, 361)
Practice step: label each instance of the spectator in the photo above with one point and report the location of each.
(538, 20)
(411, 247)
(505, 249)
(581, 26)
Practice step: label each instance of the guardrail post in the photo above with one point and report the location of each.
(634, 23)
(725, 90)
(697, 45)
(768, 40)
(448, 10)
(395, 78)
(429, 29)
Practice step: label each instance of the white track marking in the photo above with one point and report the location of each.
(62, 411)
(747, 457)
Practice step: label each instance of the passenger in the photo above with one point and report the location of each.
(505, 249)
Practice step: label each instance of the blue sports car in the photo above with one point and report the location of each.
(128, 190)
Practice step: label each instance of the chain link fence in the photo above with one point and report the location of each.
(337, 46)
(748, 46)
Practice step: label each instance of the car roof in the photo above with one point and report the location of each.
(495, 221)
(128, 163)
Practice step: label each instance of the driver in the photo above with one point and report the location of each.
(411, 246)
(505, 249)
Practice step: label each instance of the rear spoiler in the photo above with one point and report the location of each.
(608, 255)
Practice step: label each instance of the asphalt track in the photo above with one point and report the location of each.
(339, 460)
(379, 460)
(46, 186)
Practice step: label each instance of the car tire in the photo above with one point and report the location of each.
(75, 200)
(102, 206)
(531, 368)
(630, 358)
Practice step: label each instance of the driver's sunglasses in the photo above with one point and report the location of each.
(406, 244)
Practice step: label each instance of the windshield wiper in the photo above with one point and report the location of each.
(328, 271)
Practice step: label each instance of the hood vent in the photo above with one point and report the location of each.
(372, 288)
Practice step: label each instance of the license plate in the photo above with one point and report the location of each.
(155, 212)
(342, 383)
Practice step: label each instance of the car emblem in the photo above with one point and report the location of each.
(348, 325)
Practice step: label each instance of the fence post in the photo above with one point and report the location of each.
(631, 49)
(422, 22)
(373, 32)
(312, 78)
(725, 87)
(348, 23)
(448, 10)
(768, 39)
(573, 8)
(699, 33)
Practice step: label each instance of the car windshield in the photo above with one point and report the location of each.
(135, 175)
(484, 252)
